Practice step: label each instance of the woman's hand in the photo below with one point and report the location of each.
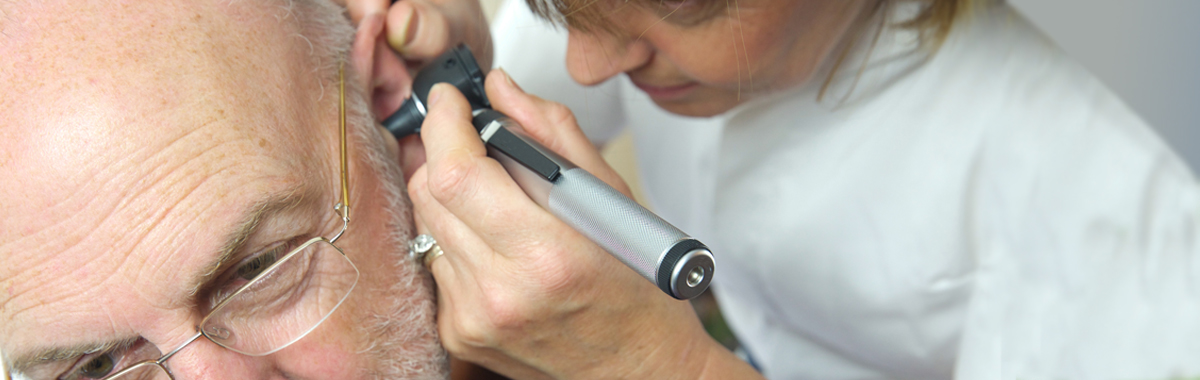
(395, 39)
(521, 292)
(421, 30)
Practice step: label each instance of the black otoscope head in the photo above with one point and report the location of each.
(456, 67)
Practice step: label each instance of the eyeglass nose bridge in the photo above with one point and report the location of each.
(194, 338)
(161, 362)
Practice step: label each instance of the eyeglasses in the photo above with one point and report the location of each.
(286, 297)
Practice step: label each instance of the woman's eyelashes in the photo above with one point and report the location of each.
(689, 12)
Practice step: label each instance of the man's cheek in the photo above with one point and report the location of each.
(329, 352)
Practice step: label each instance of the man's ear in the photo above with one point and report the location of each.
(380, 70)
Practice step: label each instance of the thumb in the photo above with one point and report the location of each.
(418, 30)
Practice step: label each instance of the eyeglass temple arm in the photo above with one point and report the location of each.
(345, 168)
(343, 207)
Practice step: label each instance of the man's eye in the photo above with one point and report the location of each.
(98, 367)
(245, 272)
(259, 263)
(94, 366)
(100, 364)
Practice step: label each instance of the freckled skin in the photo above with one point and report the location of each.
(751, 48)
(138, 134)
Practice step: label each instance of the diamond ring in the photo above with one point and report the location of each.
(425, 248)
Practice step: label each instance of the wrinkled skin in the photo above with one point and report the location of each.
(137, 136)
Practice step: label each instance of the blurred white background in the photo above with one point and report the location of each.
(1148, 51)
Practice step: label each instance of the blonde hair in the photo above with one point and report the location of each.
(933, 21)
(936, 19)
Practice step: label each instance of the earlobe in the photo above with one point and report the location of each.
(380, 71)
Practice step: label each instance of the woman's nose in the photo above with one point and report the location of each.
(594, 57)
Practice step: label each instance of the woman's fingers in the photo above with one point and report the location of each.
(462, 249)
(424, 29)
(519, 290)
(551, 124)
(418, 30)
(464, 273)
(412, 155)
(474, 187)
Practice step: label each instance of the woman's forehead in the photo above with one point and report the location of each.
(609, 16)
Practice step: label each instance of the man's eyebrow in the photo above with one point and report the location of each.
(54, 354)
(236, 240)
(262, 209)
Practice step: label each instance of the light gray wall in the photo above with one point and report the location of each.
(1148, 51)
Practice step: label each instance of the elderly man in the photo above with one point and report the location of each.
(177, 183)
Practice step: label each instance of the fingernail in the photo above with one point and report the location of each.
(400, 31)
(435, 93)
(508, 79)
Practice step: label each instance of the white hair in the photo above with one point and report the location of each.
(404, 338)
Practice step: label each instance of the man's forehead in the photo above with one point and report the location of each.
(109, 91)
(98, 91)
(135, 58)
(121, 116)
(105, 287)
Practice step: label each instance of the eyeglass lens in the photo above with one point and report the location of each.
(143, 371)
(278, 307)
(284, 303)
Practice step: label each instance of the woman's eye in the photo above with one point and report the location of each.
(98, 367)
(259, 263)
(675, 3)
(688, 12)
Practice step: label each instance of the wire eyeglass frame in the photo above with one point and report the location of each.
(343, 210)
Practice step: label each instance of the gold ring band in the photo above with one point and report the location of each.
(423, 247)
(434, 252)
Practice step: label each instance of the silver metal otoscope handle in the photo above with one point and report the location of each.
(678, 264)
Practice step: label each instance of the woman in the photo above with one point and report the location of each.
(893, 189)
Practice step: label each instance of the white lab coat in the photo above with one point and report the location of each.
(991, 212)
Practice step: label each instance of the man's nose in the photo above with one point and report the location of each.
(204, 359)
(594, 57)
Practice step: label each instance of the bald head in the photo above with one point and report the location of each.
(90, 77)
(119, 109)
(155, 145)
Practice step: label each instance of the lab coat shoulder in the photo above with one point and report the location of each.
(1084, 223)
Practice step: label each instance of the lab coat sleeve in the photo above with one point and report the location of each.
(533, 52)
(1087, 229)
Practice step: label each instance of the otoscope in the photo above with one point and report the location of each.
(680, 265)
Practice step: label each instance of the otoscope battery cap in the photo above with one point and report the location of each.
(686, 269)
